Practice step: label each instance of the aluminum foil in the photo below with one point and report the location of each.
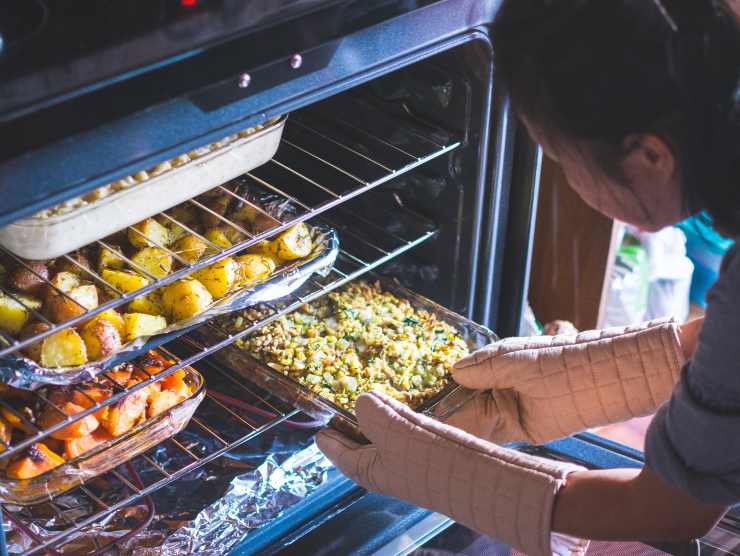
(22, 372)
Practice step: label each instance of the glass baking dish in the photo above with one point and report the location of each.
(107, 455)
(439, 406)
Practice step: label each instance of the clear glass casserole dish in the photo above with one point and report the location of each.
(440, 405)
(107, 454)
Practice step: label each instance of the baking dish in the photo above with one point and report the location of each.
(439, 406)
(107, 455)
(45, 238)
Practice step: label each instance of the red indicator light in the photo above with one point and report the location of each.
(189, 3)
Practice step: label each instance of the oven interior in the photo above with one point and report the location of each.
(397, 167)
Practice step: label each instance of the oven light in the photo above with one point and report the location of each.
(189, 3)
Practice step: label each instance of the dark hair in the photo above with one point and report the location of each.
(600, 70)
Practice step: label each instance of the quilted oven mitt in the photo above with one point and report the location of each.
(495, 491)
(541, 388)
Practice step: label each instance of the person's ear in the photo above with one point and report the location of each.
(648, 160)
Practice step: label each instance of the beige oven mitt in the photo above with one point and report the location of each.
(492, 490)
(542, 388)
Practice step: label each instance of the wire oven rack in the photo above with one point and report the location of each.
(358, 255)
(323, 159)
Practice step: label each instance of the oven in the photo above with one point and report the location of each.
(395, 136)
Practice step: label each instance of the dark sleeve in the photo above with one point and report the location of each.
(694, 440)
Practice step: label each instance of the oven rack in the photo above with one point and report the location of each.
(353, 262)
(323, 160)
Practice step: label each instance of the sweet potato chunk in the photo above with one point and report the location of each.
(82, 427)
(37, 459)
(176, 384)
(90, 394)
(126, 413)
(75, 447)
(161, 402)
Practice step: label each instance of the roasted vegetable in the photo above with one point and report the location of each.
(190, 248)
(149, 304)
(31, 280)
(36, 460)
(73, 303)
(124, 280)
(63, 349)
(126, 413)
(293, 243)
(76, 263)
(161, 401)
(76, 429)
(30, 330)
(154, 261)
(218, 236)
(113, 317)
(139, 324)
(14, 314)
(185, 298)
(263, 247)
(149, 233)
(20, 417)
(101, 338)
(255, 268)
(89, 394)
(62, 281)
(75, 447)
(218, 203)
(219, 278)
(176, 384)
(110, 258)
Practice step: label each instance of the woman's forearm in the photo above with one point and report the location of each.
(629, 504)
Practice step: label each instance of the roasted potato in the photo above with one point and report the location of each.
(139, 324)
(218, 236)
(113, 317)
(149, 304)
(31, 280)
(64, 281)
(110, 258)
(82, 427)
(151, 234)
(15, 314)
(218, 204)
(258, 220)
(75, 302)
(75, 447)
(154, 261)
(184, 299)
(124, 280)
(190, 248)
(65, 265)
(263, 247)
(293, 243)
(63, 349)
(185, 214)
(101, 338)
(219, 278)
(36, 460)
(255, 268)
(31, 329)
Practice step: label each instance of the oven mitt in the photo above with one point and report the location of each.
(542, 388)
(492, 490)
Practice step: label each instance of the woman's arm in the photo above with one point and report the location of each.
(688, 335)
(629, 504)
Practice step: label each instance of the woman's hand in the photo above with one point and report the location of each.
(541, 388)
(490, 489)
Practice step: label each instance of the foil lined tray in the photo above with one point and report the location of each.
(107, 455)
(22, 372)
(439, 406)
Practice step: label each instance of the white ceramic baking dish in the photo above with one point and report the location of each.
(45, 238)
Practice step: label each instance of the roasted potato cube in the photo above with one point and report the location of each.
(139, 324)
(190, 248)
(218, 204)
(63, 349)
(219, 278)
(31, 329)
(149, 304)
(61, 308)
(185, 298)
(255, 268)
(68, 264)
(124, 280)
(31, 280)
(154, 261)
(14, 314)
(110, 258)
(113, 317)
(263, 247)
(293, 243)
(82, 427)
(64, 281)
(101, 339)
(258, 220)
(125, 413)
(185, 214)
(36, 460)
(218, 236)
(75, 447)
(152, 234)
(161, 402)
